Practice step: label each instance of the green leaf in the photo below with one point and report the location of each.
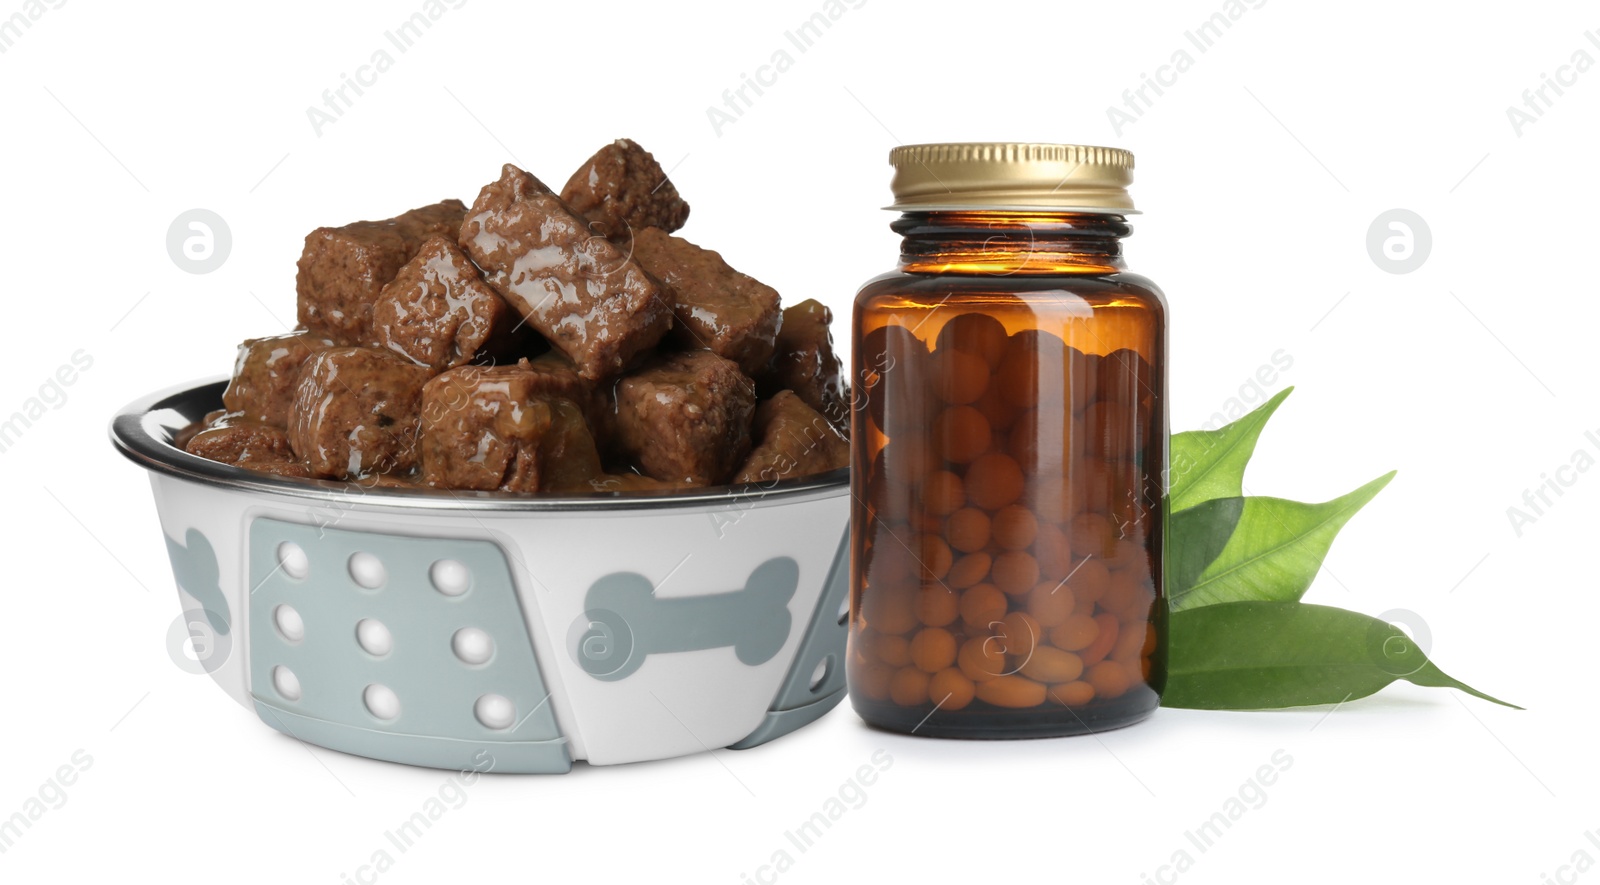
(1273, 553)
(1207, 464)
(1197, 536)
(1265, 655)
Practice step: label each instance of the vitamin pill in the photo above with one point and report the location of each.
(1128, 554)
(1095, 485)
(993, 480)
(1049, 496)
(909, 687)
(974, 333)
(890, 609)
(933, 649)
(1053, 551)
(1014, 527)
(1019, 633)
(873, 681)
(967, 529)
(982, 605)
(942, 493)
(888, 559)
(981, 659)
(1000, 412)
(961, 433)
(1114, 435)
(1011, 691)
(950, 689)
(959, 377)
(1048, 664)
(1109, 679)
(1089, 579)
(1033, 365)
(1015, 572)
(1072, 694)
(1130, 643)
(1103, 640)
(969, 570)
(934, 556)
(1092, 533)
(1051, 603)
(937, 605)
(1076, 633)
(1083, 378)
(893, 650)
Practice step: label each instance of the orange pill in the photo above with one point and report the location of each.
(1092, 533)
(1014, 572)
(950, 689)
(934, 557)
(993, 480)
(933, 649)
(982, 605)
(937, 605)
(1129, 555)
(891, 609)
(982, 659)
(967, 529)
(961, 433)
(893, 650)
(872, 680)
(1049, 497)
(1089, 579)
(1076, 633)
(1053, 551)
(1014, 527)
(1051, 603)
(1095, 486)
(975, 333)
(1000, 412)
(1048, 664)
(1032, 367)
(1103, 640)
(1012, 691)
(1130, 642)
(1113, 434)
(908, 687)
(1019, 633)
(969, 570)
(1072, 694)
(942, 493)
(959, 377)
(1109, 679)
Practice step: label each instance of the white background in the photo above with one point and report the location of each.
(1259, 172)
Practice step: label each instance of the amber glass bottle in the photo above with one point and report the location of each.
(1009, 452)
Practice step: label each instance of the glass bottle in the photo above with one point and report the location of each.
(1009, 449)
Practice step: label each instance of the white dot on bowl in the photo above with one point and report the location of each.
(495, 711)
(287, 684)
(374, 637)
(293, 560)
(472, 646)
(367, 570)
(820, 675)
(289, 623)
(381, 701)
(450, 577)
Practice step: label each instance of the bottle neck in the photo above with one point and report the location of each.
(985, 242)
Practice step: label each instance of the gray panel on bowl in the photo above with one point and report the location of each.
(803, 697)
(422, 590)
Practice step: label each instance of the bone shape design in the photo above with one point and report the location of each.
(624, 622)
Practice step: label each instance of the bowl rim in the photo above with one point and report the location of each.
(142, 431)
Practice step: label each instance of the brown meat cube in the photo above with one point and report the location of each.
(686, 418)
(344, 269)
(438, 311)
(595, 304)
(265, 372)
(717, 308)
(234, 438)
(481, 428)
(794, 441)
(356, 412)
(568, 458)
(805, 363)
(621, 189)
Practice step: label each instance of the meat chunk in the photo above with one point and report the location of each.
(595, 304)
(806, 363)
(569, 461)
(686, 418)
(234, 438)
(481, 428)
(717, 308)
(344, 269)
(438, 312)
(621, 189)
(356, 412)
(265, 372)
(793, 440)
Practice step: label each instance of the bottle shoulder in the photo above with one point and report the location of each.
(898, 285)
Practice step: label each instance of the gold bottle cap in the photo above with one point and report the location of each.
(1011, 176)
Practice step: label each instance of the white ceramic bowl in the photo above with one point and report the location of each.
(465, 629)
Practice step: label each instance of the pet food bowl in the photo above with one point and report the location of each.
(472, 629)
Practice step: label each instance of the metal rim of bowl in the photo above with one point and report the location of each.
(143, 431)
